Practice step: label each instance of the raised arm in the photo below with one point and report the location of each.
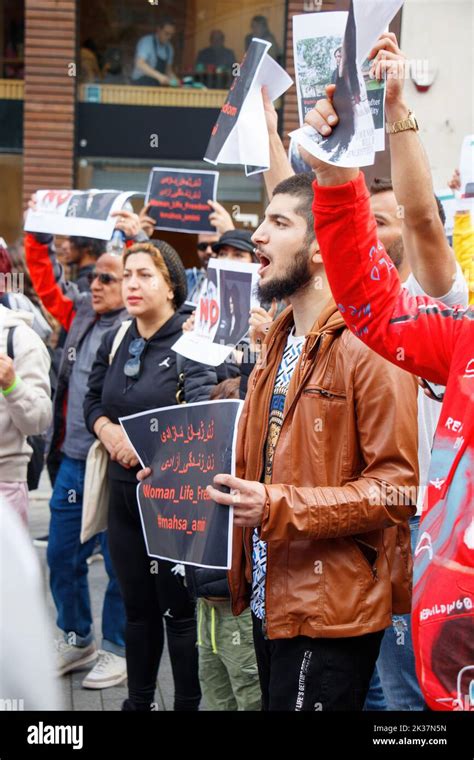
(415, 333)
(280, 167)
(431, 259)
(57, 296)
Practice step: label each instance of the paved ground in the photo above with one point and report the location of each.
(75, 697)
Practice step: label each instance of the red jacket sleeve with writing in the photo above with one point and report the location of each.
(417, 333)
(41, 271)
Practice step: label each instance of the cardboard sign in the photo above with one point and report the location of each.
(178, 199)
(185, 446)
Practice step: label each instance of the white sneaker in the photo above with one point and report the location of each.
(71, 658)
(109, 670)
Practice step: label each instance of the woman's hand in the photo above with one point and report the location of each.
(111, 435)
(188, 326)
(125, 455)
(143, 474)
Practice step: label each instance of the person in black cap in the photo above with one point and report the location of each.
(236, 245)
(133, 372)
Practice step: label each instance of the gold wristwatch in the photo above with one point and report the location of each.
(410, 122)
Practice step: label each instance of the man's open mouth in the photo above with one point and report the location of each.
(264, 261)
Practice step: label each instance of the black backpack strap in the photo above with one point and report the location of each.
(10, 350)
(179, 364)
(180, 374)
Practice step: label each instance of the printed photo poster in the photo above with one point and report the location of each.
(222, 314)
(240, 135)
(178, 199)
(376, 100)
(76, 212)
(327, 50)
(185, 446)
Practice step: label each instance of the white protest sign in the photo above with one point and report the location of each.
(330, 48)
(372, 17)
(240, 135)
(75, 212)
(222, 315)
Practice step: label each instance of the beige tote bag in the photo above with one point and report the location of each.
(95, 504)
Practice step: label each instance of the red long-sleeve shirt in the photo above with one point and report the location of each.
(429, 339)
(44, 282)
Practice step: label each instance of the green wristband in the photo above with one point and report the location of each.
(6, 391)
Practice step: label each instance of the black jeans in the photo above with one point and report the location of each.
(315, 674)
(150, 596)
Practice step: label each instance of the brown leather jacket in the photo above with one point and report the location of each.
(338, 555)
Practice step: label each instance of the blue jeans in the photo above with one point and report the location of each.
(67, 560)
(394, 685)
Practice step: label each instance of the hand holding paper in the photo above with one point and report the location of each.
(323, 118)
(247, 497)
(389, 63)
(86, 213)
(330, 48)
(128, 222)
(240, 135)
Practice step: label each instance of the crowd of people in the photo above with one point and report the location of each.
(337, 450)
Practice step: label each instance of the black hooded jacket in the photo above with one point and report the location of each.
(112, 394)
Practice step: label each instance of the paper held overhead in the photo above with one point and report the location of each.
(76, 212)
(177, 199)
(240, 135)
(331, 48)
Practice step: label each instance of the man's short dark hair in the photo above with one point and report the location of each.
(165, 21)
(300, 186)
(337, 50)
(384, 185)
(95, 247)
(381, 185)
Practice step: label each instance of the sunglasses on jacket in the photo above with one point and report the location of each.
(132, 367)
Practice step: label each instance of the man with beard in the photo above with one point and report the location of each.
(326, 427)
